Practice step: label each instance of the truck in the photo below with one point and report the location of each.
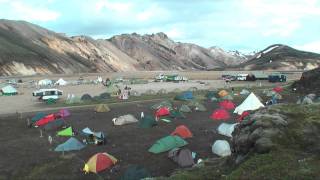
(170, 78)
(277, 78)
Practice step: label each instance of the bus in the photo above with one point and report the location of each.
(46, 94)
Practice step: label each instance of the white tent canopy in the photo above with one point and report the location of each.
(125, 119)
(250, 103)
(61, 82)
(226, 129)
(221, 148)
(45, 82)
(9, 90)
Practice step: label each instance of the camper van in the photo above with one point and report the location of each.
(45, 94)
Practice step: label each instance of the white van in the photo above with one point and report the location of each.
(242, 77)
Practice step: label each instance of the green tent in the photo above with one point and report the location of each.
(9, 91)
(38, 116)
(147, 122)
(176, 114)
(159, 105)
(185, 108)
(167, 143)
(66, 132)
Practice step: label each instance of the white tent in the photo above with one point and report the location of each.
(250, 103)
(221, 148)
(125, 119)
(61, 82)
(226, 129)
(45, 82)
(9, 90)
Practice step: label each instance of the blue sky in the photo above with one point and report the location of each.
(244, 25)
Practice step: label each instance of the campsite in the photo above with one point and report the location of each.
(128, 143)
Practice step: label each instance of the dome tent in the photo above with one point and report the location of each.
(220, 114)
(102, 108)
(182, 131)
(125, 119)
(227, 104)
(167, 143)
(226, 129)
(99, 162)
(221, 148)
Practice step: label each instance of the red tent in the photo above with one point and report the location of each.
(220, 114)
(278, 89)
(46, 120)
(164, 111)
(182, 131)
(227, 104)
(243, 115)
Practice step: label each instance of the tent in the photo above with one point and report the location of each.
(250, 103)
(45, 120)
(54, 125)
(183, 157)
(45, 82)
(61, 82)
(184, 108)
(221, 148)
(159, 105)
(125, 119)
(64, 113)
(244, 92)
(66, 132)
(223, 93)
(105, 96)
(71, 144)
(9, 90)
(147, 122)
(220, 114)
(86, 97)
(167, 143)
(135, 172)
(182, 131)
(277, 89)
(200, 107)
(227, 97)
(176, 114)
(184, 96)
(226, 129)
(38, 116)
(227, 104)
(164, 111)
(211, 94)
(243, 116)
(100, 162)
(102, 108)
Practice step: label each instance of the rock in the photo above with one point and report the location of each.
(256, 134)
(263, 145)
(269, 133)
(265, 123)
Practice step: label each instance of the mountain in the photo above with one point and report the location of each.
(228, 57)
(309, 82)
(282, 57)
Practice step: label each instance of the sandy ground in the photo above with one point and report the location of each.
(25, 102)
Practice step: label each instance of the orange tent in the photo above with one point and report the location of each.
(182, 131)
(99, 162)
(223, 93)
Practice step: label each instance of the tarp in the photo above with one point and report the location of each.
(102, 108)
(71, 144)
(182, 131)
(184, 96)
(223, 93)
(45, 120)
(164, 111)
(125, 119)
(250, 103)
(88, 131)
(38, 116)
(66, 132)
(227, 104)
(54, 125)
(100, 162)
(135, 172)
(167, 143)
(61, 82)
(221, 148)
(226, 129)
(147, 122)
(220, 114)
(184, 108)
(183, 157)
(9, 90)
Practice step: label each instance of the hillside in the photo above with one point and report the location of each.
(309, 82)
(282, 57)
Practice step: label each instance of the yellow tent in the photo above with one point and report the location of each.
(102, 108)
(99, 162)
(223, 93)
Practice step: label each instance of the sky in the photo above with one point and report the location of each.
(244, 25)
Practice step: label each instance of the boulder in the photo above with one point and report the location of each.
(263, 145)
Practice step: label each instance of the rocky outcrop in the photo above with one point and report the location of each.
(309, 82)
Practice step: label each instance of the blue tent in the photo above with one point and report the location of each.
(184, 96)
(70, 145)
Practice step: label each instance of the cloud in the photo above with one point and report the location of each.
(311, 46)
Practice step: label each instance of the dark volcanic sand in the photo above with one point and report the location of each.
(22, 151)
